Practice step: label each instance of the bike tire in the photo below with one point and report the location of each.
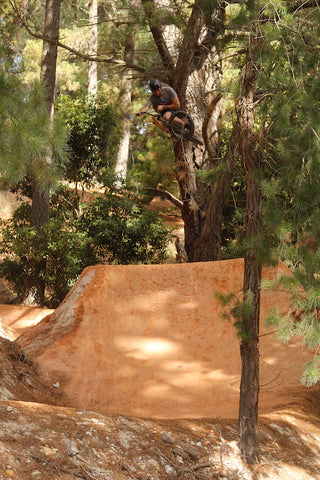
(181, 125)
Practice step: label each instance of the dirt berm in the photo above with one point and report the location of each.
(151, 341)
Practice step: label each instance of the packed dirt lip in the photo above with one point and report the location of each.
(150, 341)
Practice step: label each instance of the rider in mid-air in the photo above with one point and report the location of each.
(164, 101)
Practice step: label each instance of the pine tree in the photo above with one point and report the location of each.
(280, 155)
(292, 192)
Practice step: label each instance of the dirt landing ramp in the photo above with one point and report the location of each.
(150, 341)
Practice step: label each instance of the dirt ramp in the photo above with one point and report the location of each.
(150, 341)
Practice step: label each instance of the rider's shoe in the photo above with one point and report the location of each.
(197, 139)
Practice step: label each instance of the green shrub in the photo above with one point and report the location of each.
(112, 228)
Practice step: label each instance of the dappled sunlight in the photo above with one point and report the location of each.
(28, 322)
(21, 317)
(157, 390)
(289, 471)
(150, 340)
(194, 375)
(143, 348)
(142, 304)
(270, 361)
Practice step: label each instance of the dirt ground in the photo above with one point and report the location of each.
(155, 338)
(169, 410)
(182, 420)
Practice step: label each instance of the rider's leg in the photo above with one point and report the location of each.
(167, 116)
(160, 124)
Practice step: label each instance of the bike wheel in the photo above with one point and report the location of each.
(181, 125)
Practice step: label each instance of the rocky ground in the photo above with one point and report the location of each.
(42, 441)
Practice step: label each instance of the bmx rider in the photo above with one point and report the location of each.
(164, 101)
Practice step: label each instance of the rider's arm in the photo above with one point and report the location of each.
(145, 108)
(174, 105)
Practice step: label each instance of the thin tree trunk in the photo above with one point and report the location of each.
(50, 50)
(125, 101)
(34, 286)
(93, 46)
(249, 388)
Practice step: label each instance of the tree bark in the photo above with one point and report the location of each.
(34, 287)
(125, 101)
(250, 155)
(93, 47)
(34, 284)
(187, 73)
(50, 50)
(209, 243)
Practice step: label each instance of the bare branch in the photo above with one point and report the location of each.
(205, 123)
(77, 53)
(158, 36)
(166, 194)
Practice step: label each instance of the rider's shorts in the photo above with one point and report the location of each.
(166, 110)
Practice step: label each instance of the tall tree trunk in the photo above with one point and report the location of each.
(34, 286)
(125, 101)
(93, 46)
(187, 73)
(209, 243)
(249, 388)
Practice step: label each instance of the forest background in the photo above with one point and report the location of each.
(73, 74)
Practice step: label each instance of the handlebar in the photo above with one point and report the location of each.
(147, 113)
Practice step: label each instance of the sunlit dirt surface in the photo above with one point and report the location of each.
(152, 341)
(136, 376)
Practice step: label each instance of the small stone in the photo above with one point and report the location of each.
(168, 469)
(50, 452)
(57, 385)
(73, 450)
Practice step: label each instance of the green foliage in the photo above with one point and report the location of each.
(153, 162)
(311, 374)
(121, 231)
(92, 139)
(305, 323)
(238, 312)
(71, 76)
(112, 228)
(27, 136)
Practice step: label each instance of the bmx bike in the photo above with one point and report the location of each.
(180, 126)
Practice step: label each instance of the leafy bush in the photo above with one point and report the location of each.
(112, 228)
(93, 136)
(122, 232)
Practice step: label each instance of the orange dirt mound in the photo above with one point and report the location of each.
(151, 341)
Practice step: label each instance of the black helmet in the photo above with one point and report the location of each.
(154, 84)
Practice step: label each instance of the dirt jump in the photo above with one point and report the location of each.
(151, 341)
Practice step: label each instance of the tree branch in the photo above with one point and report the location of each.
(167, 195)
(84, 56)
(205, 123)
(157, 35)
(304, 4)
